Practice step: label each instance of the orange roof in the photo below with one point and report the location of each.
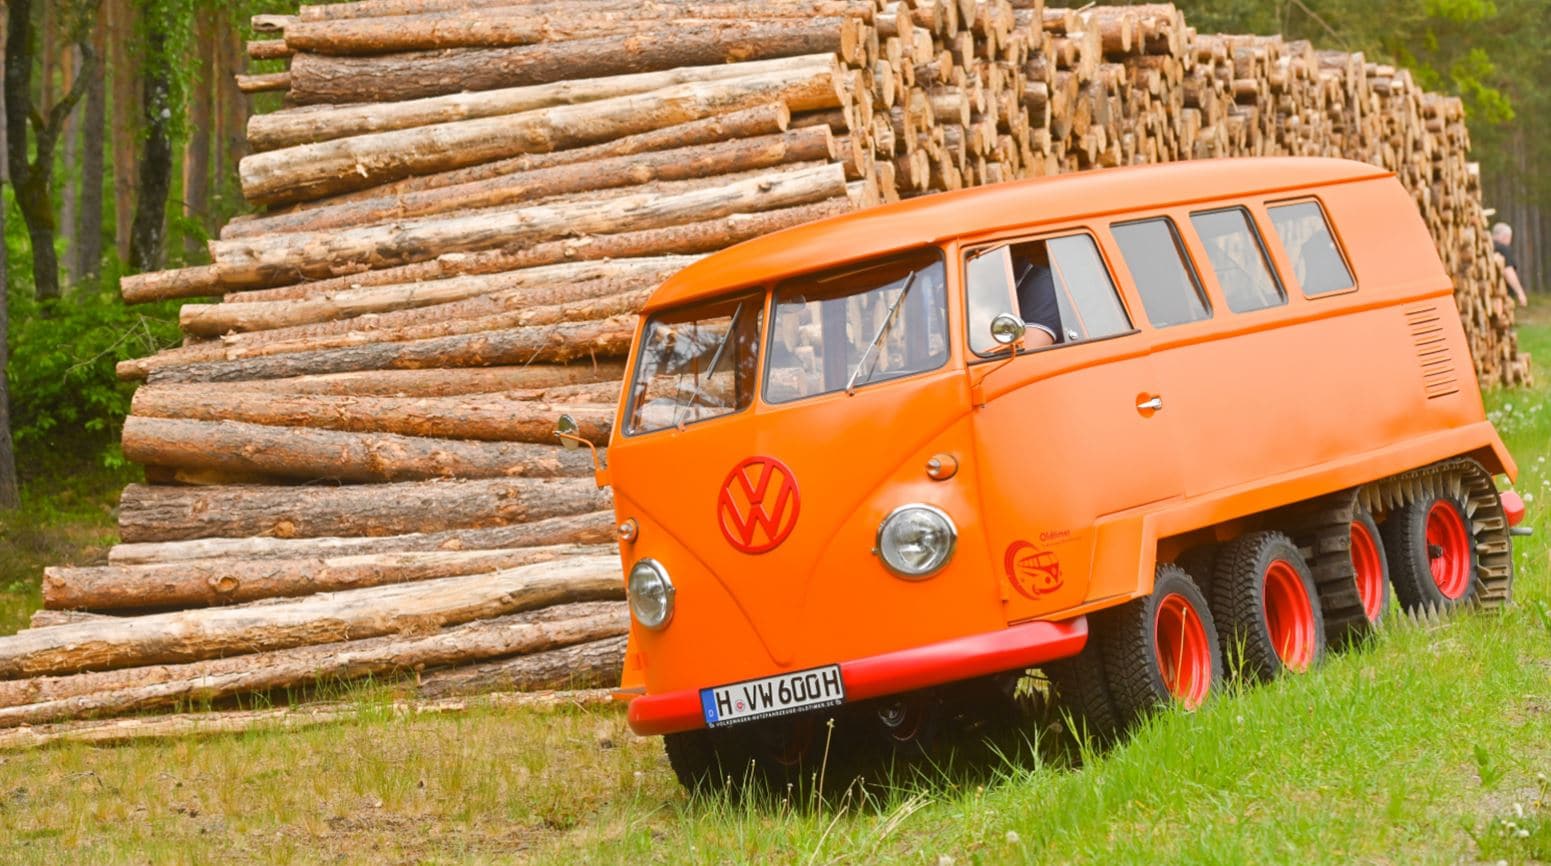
(935, 218)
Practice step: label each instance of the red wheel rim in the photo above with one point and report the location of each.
(1289, 616)
(1448, 549)
(1370, 571)
(1184, 656)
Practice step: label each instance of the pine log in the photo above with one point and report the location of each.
(762, 119)
(310, 171)
(557, 383)
(148, 513)
(180, 283)
(317, 619)
(699, 161)
(548, 284)
(689, 238)
(317, 78)
(580, 666)
(657, 8)
(324, 123)
(332, 455)
(491, 417)
(51, 618)
(605, 338)
(207, 582)
(592, 528)
(269, 83)
(288, 258)
(269, 49)
(372, 656)
(496, 312)
(186, 726)
(507, 26)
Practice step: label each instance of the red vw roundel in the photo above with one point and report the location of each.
(758, 505)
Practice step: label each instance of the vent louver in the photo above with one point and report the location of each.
(1439, 376)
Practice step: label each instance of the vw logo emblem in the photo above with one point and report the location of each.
(758, 505)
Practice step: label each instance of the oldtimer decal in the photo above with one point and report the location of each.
(1034, 573)
(758, 505)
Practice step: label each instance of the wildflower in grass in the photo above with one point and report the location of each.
(1013, 838)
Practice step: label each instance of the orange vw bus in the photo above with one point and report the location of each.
(871, 468)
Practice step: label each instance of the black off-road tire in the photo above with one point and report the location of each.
(1410, 554)
(1082, 695)
(1200, 562)
(1363, 519)
(695, 760)
(1128, 644)
(1239, 603)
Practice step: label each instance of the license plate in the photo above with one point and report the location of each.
(772, 696)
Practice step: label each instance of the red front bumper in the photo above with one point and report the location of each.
(1019, 646)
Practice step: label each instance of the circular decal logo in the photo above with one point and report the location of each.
(1032, 572)
(758, 505)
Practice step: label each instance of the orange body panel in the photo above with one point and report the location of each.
(1064, 489)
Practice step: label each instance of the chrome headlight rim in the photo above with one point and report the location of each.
(669, 593)
(941, 561)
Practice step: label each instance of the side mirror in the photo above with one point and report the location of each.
(1007, 329)
(569, 432)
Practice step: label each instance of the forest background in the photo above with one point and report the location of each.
(123, 126)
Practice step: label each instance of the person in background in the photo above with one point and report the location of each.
(1502, 241)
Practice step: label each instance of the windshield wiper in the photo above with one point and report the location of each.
(883, 330)
(716, 358)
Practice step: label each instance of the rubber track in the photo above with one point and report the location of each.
(1322, 531)
(1468, 480)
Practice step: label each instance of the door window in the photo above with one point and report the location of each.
(1058, 286)
(1168, 285)
(1305, 236)
(1239, 259)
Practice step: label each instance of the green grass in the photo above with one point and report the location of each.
(1428, 745)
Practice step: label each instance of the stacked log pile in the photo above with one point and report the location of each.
(351, 461)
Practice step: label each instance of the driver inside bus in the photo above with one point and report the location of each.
(1036, 291)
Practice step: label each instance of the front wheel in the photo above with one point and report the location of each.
(1160, 649)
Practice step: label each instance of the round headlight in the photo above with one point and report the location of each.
(915, 541)
(651, 594)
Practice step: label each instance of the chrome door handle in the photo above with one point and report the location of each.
(1153, 405)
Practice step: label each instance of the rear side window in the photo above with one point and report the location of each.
(1239, 259)
(1057, 285)
(1305, 235)
(1157, 262)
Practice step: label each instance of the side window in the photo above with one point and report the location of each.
(1238, 258)
(1058, 286)
(1168, 285)
(1305, 235)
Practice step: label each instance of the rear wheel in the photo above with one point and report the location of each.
(1160, 649)
(1370, 567)
(1264, 597)
(1432, 555)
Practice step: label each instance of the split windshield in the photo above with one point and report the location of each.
(843, 329)
(697, 363)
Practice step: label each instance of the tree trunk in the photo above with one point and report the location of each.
(276, 665)
(286, 258)
(490, 417)
(71, 66)
(316, 124)
(10, 496)
(591, 528)
(210, 582)
(196, 154)
(88, 231)
(126, 127)
(594, 664)
(395, 77)
(149, 513)
(699, 161)
(548, 284)
(314, 170)
(333, 455)
(764, 119)
(599, 381)
(442, 31)
(496, 312)
(148, 236)
(606, 338)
